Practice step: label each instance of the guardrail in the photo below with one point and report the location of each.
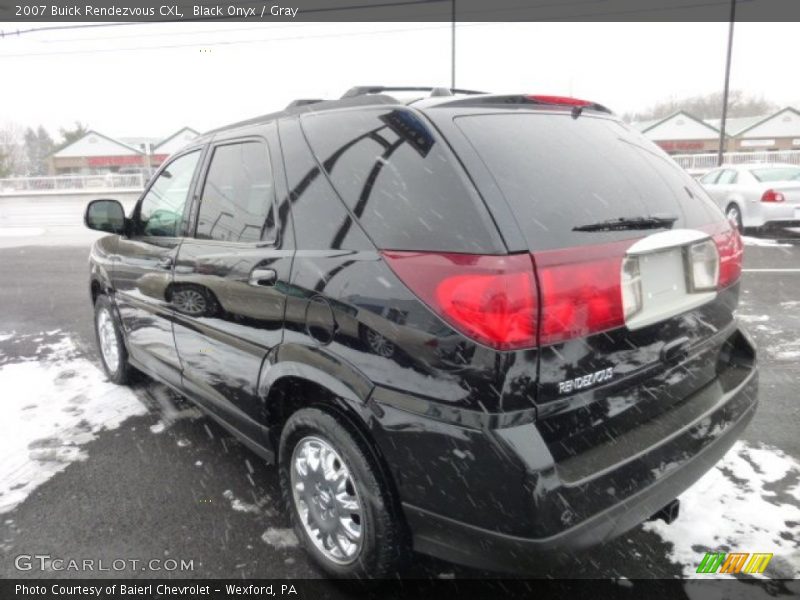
(72, 183)
(698, 164)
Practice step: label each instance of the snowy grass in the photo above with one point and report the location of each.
(53, 403)
(749, 502)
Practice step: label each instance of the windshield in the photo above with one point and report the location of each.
(566, 179)
(777, 174)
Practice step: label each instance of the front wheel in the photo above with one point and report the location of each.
(734, 215)
(340, 502)
(113, 354)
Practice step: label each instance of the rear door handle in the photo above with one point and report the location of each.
(165, 263)
(263, 277)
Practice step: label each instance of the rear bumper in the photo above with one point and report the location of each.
(580, 513)
(776, 213)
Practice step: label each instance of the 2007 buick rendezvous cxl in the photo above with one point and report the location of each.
(476, 326)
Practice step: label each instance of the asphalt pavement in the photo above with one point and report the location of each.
(162, 482)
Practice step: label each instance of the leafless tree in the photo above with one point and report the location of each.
(12, 150)
(708, 106)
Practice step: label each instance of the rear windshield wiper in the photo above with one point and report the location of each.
(623, 223)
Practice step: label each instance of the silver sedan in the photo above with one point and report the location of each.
(756, 194)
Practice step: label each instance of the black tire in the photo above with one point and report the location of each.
(383, 546)
(122, 372)
(734, 215)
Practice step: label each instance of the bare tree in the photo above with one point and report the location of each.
(708, 106)
(38, 147)
(12, 151)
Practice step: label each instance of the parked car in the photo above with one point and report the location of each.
(476, 326)
(756, 194)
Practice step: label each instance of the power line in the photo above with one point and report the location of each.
(449, 12)
(233, 42)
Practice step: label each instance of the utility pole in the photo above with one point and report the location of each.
(725, 88)
(453, 44)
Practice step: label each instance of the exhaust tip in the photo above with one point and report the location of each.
(669, 513)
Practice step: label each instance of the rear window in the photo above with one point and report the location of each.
(777, 174)
(400, 181)
(558, 173)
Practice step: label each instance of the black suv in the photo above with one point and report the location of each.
(476, 326)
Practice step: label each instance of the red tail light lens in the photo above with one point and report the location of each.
(772, 196)
(492, 299)
(564, 100)
(731, 252)
(580, 291)
(495, 301)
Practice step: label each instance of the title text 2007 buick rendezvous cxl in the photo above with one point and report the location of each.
(476, 326)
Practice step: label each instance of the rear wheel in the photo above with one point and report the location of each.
(734, 215)
(113, 354)
(340, 502)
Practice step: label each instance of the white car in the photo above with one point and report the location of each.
(756, 194)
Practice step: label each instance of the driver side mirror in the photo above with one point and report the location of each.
(105, 215)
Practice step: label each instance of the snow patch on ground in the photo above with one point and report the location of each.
(788, 350)
(52, 403)
(752, 318)
(749, 502)
(239, 505)
(753, 241)
(280, 538)
(258, 507)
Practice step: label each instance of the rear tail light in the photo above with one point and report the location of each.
(702, 266)
(631, 287)
(772, 196)
(731, 251)
(495, 299)
(492, 299)
(580, 296)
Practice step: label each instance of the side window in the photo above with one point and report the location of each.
(399, 180)
(321, 221)
(728, 176)
(710, 178)
(237, 204)
(162, 207)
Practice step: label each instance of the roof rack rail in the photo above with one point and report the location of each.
(303, 102)
(362, 90)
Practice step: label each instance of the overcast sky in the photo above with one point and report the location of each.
(151, 79)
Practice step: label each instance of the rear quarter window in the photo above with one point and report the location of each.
(400, 181)
(559, 172)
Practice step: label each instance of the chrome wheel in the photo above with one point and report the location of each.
(107, 335)
(379, 344)
(189, 301)
(327, 500)
(733, 215)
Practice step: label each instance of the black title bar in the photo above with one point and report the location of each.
(393, 10)
(320, 589)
